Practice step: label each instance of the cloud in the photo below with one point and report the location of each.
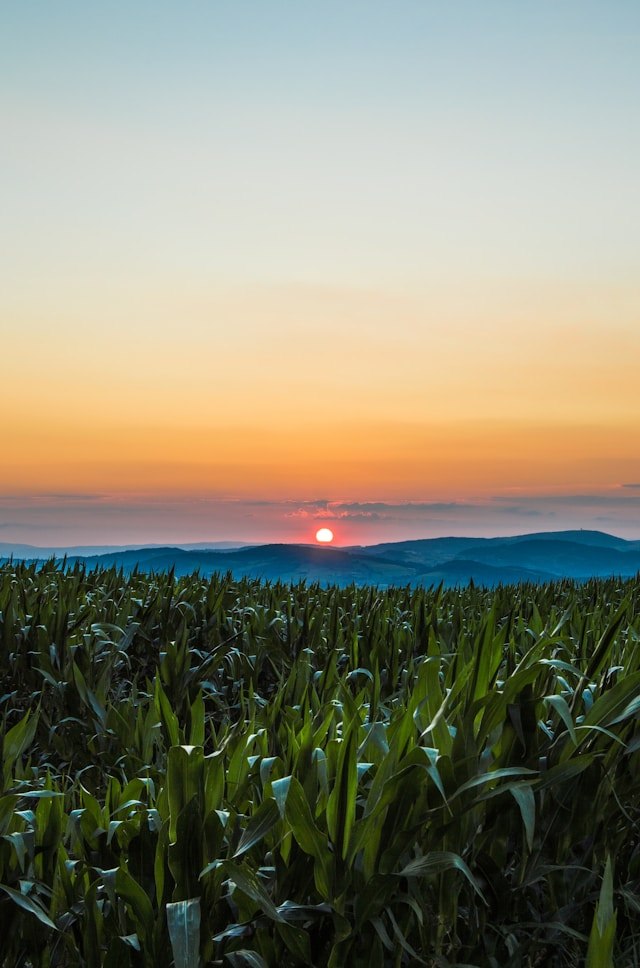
(521, 510)
(405, 510)
(24, 525)
(612, 499)
(51, 499)
(377, 510)
(84, 518)
(406, 507)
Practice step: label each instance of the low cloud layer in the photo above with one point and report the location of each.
(83, 518)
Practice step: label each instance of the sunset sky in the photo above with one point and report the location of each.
(270, 266)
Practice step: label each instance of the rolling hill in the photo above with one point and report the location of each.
(537, 557)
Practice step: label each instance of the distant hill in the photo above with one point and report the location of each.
(598, 539)
(274, 562)
(537, 557)
(580, 560)
(8, 548)
(460, 571)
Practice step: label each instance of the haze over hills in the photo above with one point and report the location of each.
(535, 557)
(8, 548)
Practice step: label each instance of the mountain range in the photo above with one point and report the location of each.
(538, 557)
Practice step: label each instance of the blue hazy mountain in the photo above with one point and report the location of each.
(8, 548)
(535, 557)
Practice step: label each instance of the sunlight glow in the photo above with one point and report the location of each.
(324, 535)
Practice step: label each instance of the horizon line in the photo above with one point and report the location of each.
(233, 545)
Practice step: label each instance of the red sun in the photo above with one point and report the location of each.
(324, 535)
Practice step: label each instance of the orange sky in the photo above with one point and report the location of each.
(286, 394)
(292, 394)
(266, 280)
(283, 392)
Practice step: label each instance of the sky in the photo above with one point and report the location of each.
(266, 267)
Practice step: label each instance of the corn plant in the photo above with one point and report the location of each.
(201, 772)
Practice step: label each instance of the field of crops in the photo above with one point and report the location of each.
(239, 773)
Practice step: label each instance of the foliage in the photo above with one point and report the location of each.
(221, 772)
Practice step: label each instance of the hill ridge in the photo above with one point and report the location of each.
(537, 556)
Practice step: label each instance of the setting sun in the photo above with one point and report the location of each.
(324, 535)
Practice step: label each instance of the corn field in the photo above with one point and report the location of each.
(233, 772)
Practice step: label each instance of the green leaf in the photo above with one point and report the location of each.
(341, 805)
(20, 845)
(166, 713)
(88, 697)
(612, 704)
(280, 790)
(266, 817)
(131, 940)
(563, 772)
(603, 928)
(137, 902)
(19, 737)
(247, 881)
(297, 941)
(196, 735)
(436, 862)
(308, 835)
(601, 650)
(502, 774)
(523, 795)
(185, 768)
(243, 958)
(183, 921)
(404, 944)
(16, 741)
(561, 706)
(28, 905)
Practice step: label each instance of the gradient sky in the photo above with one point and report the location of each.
(267, 266)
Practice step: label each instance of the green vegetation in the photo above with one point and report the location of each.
(222, 772)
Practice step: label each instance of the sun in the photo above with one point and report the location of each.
(324, 535)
